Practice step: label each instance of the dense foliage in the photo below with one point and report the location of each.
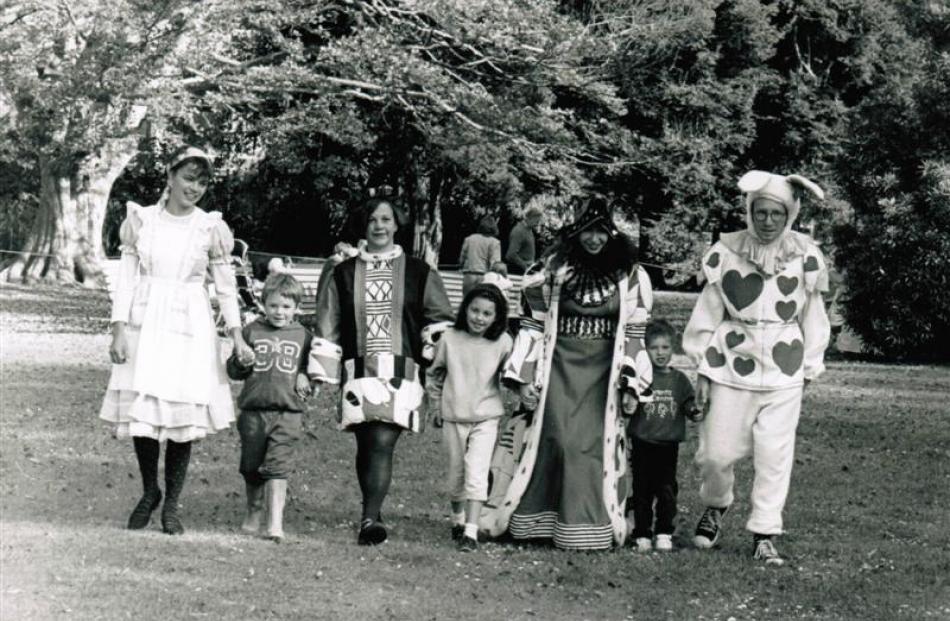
(896, 248)
(468, 107)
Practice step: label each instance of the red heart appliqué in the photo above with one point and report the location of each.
(811, 264)
(786, 310)
(788, 356)
(713, 260)
(742, 290)
(733, 339)
(786, 285)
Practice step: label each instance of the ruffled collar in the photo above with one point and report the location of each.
(771, 258)
(374, 257)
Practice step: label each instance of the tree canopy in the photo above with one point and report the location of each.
(473, 107)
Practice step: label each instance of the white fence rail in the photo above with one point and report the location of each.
(309, 276)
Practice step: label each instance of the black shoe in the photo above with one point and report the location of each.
(142, 513)
(171, 523)
(457, 531)
(467, 544)
(372, 533)
(709, 528)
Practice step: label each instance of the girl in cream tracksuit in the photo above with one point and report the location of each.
(758, 335)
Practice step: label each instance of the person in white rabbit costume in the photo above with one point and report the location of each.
(758, 334)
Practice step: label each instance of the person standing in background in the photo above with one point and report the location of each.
(521, 242)
(480, 251)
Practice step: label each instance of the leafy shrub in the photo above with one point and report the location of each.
(897, 263)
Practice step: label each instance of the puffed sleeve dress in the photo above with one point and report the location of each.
(173, 385)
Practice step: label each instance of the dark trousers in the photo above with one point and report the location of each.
(268, 439)
(654, 479)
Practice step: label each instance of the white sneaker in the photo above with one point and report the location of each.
(664, 543)
(644, 544)
(765, 551)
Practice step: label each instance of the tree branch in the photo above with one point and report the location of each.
(64, 4)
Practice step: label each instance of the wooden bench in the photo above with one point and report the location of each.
(309, 276)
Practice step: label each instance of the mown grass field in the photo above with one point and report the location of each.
(869, 535)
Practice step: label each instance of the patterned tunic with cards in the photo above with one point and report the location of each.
(378, 316)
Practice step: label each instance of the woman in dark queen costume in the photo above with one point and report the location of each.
(378, 315)
(579, 354)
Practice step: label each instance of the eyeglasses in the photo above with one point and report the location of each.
(762, 216)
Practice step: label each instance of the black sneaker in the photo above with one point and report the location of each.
(467, 544)
(764, 550)
(372, 533)
(709, 528)
(457, 531)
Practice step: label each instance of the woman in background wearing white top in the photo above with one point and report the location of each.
(168, 382)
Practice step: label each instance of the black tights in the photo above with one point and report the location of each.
(177, 456)
(375, 442)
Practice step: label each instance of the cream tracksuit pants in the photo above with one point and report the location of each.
(743, 421)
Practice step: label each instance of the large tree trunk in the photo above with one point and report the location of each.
(426, 215)
(65, 243)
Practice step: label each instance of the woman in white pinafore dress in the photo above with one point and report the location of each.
(168, 383)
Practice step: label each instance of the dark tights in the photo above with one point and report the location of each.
(177, 456)
(375, 442)
(146, 451)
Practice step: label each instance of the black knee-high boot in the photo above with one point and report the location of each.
(146, 451)
(177, 456)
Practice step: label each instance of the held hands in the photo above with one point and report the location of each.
(437, 418)
(702, 396)
(529, 397)
(696, 415)
(303, 387)
(119, 348)
(629, 403)
(243, 351)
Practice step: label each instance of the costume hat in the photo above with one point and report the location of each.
(785, 190)
(595, 212)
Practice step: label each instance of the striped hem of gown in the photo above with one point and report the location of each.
(545, 525)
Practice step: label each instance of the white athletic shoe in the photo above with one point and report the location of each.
(664, 543)
(644, 544)
(765, 551)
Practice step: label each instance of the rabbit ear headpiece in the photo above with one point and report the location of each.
(786, 190)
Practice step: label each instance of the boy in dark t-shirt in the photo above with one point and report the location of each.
(654, 433)
(272, 401)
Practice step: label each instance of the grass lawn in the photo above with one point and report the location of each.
(867, 519)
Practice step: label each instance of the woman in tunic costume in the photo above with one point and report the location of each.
(168, 383)
(377, 317)
(578, 354)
